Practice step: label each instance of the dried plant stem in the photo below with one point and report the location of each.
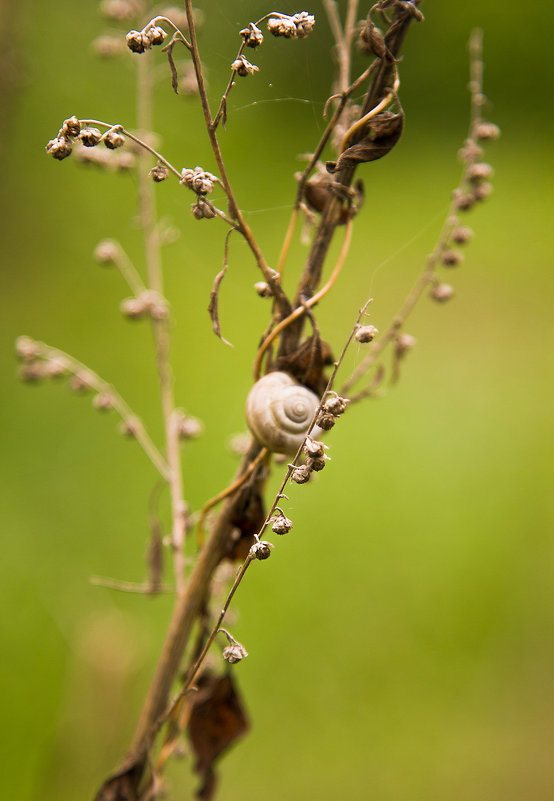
(193, 672)
(270, 275)
(301, 310)
(147, 214)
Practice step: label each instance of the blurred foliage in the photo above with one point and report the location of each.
(401, 637)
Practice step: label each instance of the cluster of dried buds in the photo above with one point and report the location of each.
(474, 187)
(332, 408)
(201, 183)
(147, 304)
(296, 26)
(140, 41)
(73, 131)
(39, 362)
(35, 361)
(314, 452)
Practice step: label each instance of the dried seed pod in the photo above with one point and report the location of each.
(404, 343)
(113, 140)
(487, 130)
(481, 191)
(59, 148)
(159, 172)
(137, 41)
(335, 405)
(252, 35)
(279, 411)
(90, 137)
(261, 550)
(106, 252)
(103, 401)
(366, 333)
(452, 258)
(234, 652)
(317, 463)
(156, 35)
(442, 292)
(243, 67)
(326, 421)
(313, 448)
(461, 235)
(202, 210)
(281, 524)
(301, 474)
(479, 172)
(263, 289)
(71, 127)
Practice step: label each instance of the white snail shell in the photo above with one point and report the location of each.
(279, 411)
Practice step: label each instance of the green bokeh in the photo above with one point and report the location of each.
(401, 637)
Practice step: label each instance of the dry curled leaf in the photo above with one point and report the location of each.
(383, 132)
(216, 721)
(213, 306)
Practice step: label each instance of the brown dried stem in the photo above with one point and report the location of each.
(160, 327)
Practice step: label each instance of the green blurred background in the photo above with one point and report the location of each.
(401, 637)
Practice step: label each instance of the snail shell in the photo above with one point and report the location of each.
(279, 411)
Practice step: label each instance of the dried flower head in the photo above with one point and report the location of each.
(325, 421)
(263, 289)
(366, 333)
(159, 172)
(104, 401)
(243, 67)
(138, 41)
(201, 210)
(106, 252)
(404, 343)
(461, 234)
(71, 127)
(479, 172)
(59, 148)
(486, 131)
(261, 550)
(26, 348)
(481, 191)
(234, 652)
(442, 292)
(281, 524)
(335, 405)
(313, 448)
(317, 463)
(198, 180)
(156, 35)
(113, 139)
(189, 427)
(304, 23)
(296, 27)
(90, 137)
(252, 35)
(463, 201)
(301, 474)
(452, 258)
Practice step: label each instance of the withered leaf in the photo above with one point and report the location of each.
(383, 132)
(213, 306)
(172, 67)
(216, 721)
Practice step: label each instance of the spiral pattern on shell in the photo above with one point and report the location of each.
(279, 411)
